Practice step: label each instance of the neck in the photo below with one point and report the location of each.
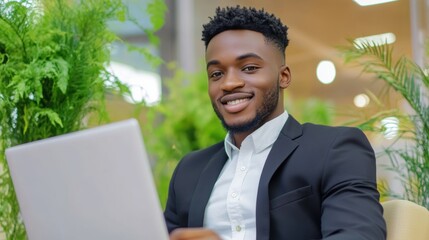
(238, 137)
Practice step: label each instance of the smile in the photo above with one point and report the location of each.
(235, 98)
(236, 101)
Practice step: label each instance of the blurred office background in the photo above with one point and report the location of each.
(317, 31)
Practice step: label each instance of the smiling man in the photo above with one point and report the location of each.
(271, 178)
(245, 81)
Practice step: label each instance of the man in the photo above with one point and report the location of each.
(272, 178)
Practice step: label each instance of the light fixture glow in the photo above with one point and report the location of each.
(326, 72)
(390, 127)
(365, 3)
(375, 40)
(361, 100)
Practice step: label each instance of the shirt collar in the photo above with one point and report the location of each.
(262, 137)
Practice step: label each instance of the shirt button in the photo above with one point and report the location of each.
(243, 168)
(238, 228)
(234, 195)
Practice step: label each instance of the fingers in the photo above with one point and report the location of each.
(193, 234)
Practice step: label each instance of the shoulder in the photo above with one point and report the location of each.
(203, 153)
(316, 131)
(332, 129)
(188, 171)
(199, 158)
(208, 150)
(342, 150)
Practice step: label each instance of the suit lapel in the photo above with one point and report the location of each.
(204, 188)
(282, 148)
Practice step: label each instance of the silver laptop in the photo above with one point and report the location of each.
(90, 184)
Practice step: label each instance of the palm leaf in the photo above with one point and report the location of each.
(411, 163)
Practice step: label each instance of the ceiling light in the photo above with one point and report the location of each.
(365, 3)
(390, 127)
(326, 72)
(361, 100)
(375, 40)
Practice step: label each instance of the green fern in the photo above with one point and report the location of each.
(53, 58)
(410, 81)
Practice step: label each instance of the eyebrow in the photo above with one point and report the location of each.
(239, 58)
(212, 62)
(249, 55)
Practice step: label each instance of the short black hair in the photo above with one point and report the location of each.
(234, 18)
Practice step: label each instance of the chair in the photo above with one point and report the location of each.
(406, 220)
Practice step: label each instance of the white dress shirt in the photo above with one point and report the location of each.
(231, 209)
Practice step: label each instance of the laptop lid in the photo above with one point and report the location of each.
(91, 184)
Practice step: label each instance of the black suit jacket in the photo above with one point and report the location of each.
(317, 182)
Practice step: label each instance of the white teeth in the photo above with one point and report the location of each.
(237, 101)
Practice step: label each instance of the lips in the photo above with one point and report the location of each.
(235, 102)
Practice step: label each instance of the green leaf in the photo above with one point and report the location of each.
(38, 91)
(156, 10)
(26, 118)
(121, 15)
(53, 117)
(152, 37)
(52, 75)
(409, 81)
(153, 59)
(48, 70)
(19, 87)
(62, 68)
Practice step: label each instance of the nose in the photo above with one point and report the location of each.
(231, 81)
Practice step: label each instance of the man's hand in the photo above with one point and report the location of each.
(193, 234)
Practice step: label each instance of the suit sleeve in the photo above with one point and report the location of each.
(170, 213)
(350, 201)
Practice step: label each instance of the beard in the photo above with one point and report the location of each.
(269, 105)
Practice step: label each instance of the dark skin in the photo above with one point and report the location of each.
(247, 75)
(194, 234)
(243, 68)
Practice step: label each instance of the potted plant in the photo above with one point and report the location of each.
(54, 56)
(410, 161)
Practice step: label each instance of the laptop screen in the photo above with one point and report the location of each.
(91, 184)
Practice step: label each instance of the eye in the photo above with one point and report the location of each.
(215, 75)
(250, 68)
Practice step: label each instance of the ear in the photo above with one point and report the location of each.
(285, 77)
